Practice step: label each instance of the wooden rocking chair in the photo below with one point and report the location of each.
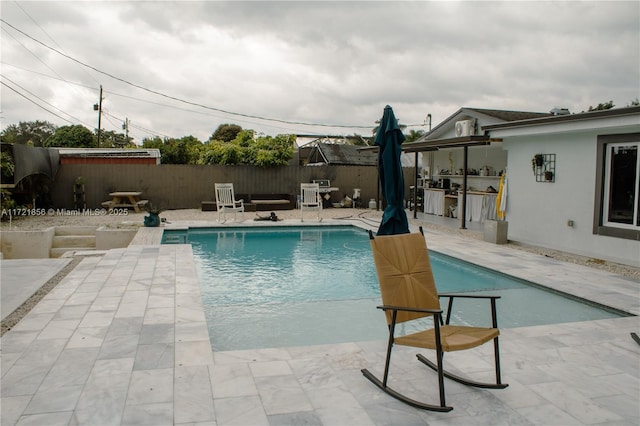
(226, 201)
(408, 292)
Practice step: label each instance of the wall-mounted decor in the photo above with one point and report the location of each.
(544, 167)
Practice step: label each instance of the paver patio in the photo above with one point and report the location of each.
(123, 340)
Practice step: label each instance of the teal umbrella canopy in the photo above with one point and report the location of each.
(389, 140)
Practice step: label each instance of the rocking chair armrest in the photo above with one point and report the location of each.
(469, 296)
(491, 298)
(407, 309)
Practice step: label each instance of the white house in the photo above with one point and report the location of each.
(453, 134)
(456, 155)
(590, 204)
(583, 197)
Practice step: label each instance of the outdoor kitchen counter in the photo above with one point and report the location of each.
(480, 205)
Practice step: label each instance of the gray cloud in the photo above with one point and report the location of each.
(316, 62)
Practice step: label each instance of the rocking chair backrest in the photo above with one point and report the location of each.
(224, 194)
(310, 194)
(404, 274)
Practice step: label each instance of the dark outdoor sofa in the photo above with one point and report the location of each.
(259, 202)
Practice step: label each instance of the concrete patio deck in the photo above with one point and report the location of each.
(123, 340)
(32, 274)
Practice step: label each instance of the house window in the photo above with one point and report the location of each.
(619, 186)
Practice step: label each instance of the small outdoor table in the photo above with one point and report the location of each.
(125, 199)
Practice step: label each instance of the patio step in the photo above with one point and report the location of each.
(75, 230)
(60, 241)
(72, 238)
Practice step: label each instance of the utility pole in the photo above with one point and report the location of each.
(98, 107)
(125, 127)
(427, 122)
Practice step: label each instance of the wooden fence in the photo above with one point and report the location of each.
(173, 186)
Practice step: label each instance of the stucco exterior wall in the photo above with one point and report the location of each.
(538, 212)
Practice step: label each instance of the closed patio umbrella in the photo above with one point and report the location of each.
(389, 140)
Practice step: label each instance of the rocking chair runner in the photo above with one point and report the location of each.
(409, 292)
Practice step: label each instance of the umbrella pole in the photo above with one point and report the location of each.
(415, 189)
(378, 187)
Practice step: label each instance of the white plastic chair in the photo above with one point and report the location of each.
(310, 199)
(226, 201)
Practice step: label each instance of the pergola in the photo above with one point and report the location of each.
(434, 145)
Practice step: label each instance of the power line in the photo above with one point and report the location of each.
(33, 102)
(50, 38)
(93, 88)
(108, 117)
(165, 105)
(153, 132)
(32, 54)
(60, 78)
(298, 123)
(118, 127)
(40, 99)
(206, 113)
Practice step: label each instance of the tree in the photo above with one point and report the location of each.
(185, 150)
(414, 135)
(268, 152)
(194, 148)
(7, 166)
(227, 153)
(74, 136)
(33, 133)
(212, 153)
(265, 151)
(226, 132)
(111, 139)
(154, 142)
(222, 153)
(602, 106)
(245, 138)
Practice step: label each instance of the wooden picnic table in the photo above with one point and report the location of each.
(125, 199)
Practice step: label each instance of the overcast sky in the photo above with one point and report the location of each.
(180, 68)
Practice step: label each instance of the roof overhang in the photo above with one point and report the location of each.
(582, 116)
(436, 144)
(109, 152)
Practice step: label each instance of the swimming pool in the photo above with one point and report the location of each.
(297, 286)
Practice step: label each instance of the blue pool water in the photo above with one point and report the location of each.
(297, 286)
